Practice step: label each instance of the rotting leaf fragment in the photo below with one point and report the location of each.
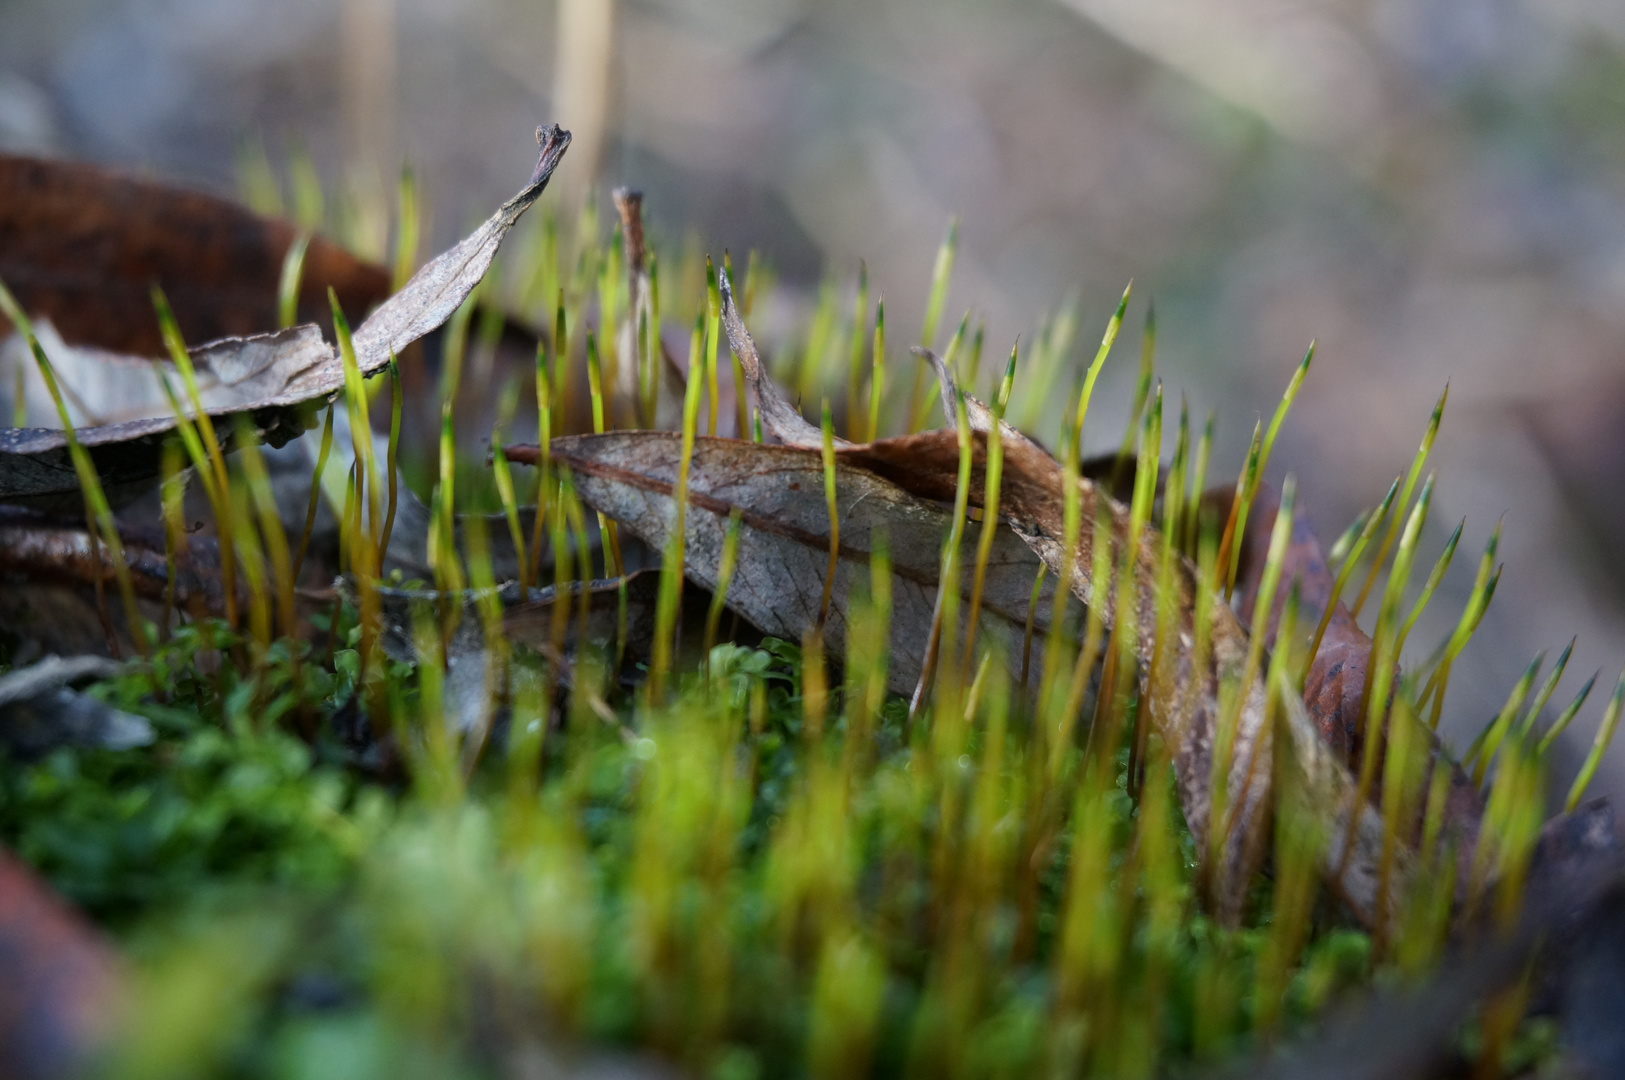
(783, 552)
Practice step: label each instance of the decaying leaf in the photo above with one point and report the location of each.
(1335, 685)
(42, 549)
(288, 369)
(1334, 692)
(1185, 707)
(100, 387)
(119, 409)
(785, 537)
(40, 711)
(48, 568)
(977, 414)
(82, 247)
(441, 286)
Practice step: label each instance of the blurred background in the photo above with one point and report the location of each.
(1433, 189)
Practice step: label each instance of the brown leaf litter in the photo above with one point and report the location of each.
(285, 370)
(784, 540)
(81, 247)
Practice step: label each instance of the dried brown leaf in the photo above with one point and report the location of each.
(784, 541)
(289, 367)
(1184, 708)
(977, 414)
(82, 247)
(1334, 692)
(45, 551)
(103, 388)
